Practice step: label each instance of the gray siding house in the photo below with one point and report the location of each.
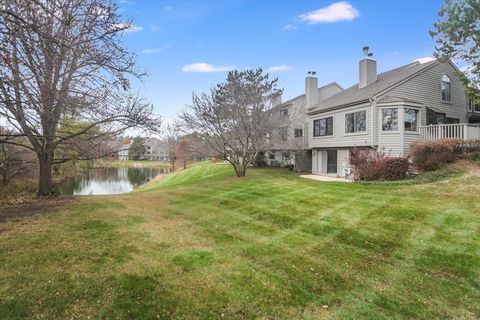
(154, 149)
(289, 141)
(389, 111)
(122, 151)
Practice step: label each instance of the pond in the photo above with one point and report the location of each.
(101, 181)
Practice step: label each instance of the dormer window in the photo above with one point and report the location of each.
(446, 88)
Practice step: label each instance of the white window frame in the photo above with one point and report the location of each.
(398, 119)
(405, 108)
(447, 80)
(354, 123)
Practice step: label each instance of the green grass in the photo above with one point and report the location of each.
(201, 244)
(475, 157)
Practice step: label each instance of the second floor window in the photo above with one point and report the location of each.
(298, 133)
(356, 121)
(284, 112)
(323, 127)
(446, 88)
(390, 119)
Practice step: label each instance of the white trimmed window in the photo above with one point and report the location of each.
(446, 88)
(390, 119)
(356, 122)
(411, 120)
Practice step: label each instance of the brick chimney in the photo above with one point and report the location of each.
(367, 69)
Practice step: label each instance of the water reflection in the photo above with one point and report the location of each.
(108, 180)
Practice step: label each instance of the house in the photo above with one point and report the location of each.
(289, 139)
(389, 111)
(153, 149)
(122, 151)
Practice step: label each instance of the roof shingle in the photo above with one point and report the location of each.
(384, 81)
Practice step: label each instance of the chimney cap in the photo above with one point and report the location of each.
(366, 52)
(312, 73)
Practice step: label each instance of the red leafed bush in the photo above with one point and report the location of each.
(432, 155)
(369, 164)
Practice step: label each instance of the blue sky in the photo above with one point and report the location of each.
(186, 46)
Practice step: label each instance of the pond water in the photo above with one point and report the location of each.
(101, 181)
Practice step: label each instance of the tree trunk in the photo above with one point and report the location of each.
(45, 184)
(240, 170)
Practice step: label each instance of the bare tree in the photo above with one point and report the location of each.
(233, 117)
(171, 139)
(14, 161)
(60, 60)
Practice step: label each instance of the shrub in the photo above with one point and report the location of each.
(475, 157)
(470, 146)
(432, 155)
(373, 165)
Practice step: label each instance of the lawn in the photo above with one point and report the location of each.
(201, 244)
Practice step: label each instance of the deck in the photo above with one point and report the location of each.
(465, 131)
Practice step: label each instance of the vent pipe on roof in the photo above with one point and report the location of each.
(367, 69)
(311, 89)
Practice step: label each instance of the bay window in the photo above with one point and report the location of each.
(390, 119)
(411, 120)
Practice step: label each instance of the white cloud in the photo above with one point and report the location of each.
(168, 8)
(282, 67)
(290, 27)
(205, 67)
(132, 28)
(157, 50)
(154, 28)
(424, 59)
(337, 11)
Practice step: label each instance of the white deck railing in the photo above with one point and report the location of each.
(465, 131)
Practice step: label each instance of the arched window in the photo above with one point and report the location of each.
(446, 88)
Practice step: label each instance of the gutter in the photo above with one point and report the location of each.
(339, 107)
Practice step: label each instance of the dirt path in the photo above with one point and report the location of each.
(34, 208)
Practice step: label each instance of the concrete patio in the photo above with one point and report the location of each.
(325, 178)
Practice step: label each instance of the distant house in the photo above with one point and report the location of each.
(386, 111)
(154, 150)
(122, 152)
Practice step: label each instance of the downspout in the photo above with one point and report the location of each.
(373, 104)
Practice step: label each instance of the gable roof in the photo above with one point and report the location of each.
(290, 101)
(385, 80)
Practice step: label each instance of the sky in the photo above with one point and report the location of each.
(189, 46)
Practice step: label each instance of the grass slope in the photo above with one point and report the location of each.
(202, 244)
